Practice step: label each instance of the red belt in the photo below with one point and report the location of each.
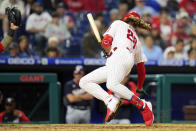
(114, 49)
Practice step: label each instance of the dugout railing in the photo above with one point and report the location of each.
(163, 92)
(53, 90)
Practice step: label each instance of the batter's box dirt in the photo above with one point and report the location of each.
(97, 127)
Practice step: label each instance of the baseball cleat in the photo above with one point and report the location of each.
(147, 113)
(112, 108)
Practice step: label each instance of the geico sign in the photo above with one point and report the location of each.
(24, 61)
(32, 78)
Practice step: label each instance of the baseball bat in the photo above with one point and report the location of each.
(94, 27)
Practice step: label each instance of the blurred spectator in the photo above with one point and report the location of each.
(23, 44)
(163, 23)
(77, 101)
(54, 42)
(29, 7)
(74, 5)
(13, 50)
(179, 34)
(130, 3)
(192, 54)
(64, 19)
(52, 52)
(154, 4)
(193, 31)
(162, 3)
(123, 9)
(9, 3)
(94, 5)
(50, 5)
(189, 5)
(126, 110)
(88, 5)
(90, 46)
(152, 51)
(141, 8)
(180, 54)
(113, 15)
(157, 37)
(100, 17)
(147, 17)
(11, 114)
(172, 6)
(56, 29)
(183, 18)
(170, 54)
(191, 45)
(36, 24)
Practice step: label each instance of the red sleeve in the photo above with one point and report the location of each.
(110, 92)
(1, 47)
(107, 40)
(141, 71)
(1, 116)
(24, 118)
(133, 88)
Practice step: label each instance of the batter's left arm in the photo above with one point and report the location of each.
(141, 71)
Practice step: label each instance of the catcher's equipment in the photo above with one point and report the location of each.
(14, 15)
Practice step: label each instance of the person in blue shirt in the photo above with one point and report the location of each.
(23, 45)
(151, 50)
(141, 8)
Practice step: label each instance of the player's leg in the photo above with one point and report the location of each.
(85, 116)
(72, 115)
(118, 67)
(90, 84)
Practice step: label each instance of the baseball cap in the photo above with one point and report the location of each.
(60, 5)
(10, 100)
(78, 69)
(53, 39)
(37, 4)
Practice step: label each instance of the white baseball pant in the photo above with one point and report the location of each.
(117, 67)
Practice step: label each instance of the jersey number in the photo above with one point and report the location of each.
(131, 38)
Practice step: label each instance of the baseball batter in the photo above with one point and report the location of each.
(121, 43)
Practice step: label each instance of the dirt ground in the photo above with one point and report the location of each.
(97, 127)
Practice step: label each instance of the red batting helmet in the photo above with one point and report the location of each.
(134, 14)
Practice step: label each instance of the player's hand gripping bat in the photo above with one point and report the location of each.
(96, 32)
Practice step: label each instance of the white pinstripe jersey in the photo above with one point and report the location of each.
(124, 36)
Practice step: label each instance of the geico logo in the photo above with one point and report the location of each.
(21, 61)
